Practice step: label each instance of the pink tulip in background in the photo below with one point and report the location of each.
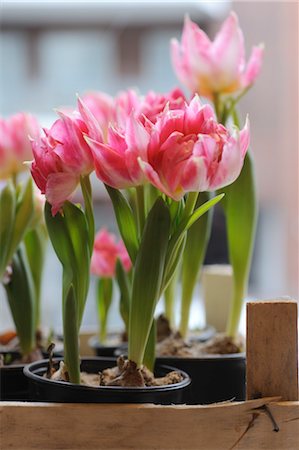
(107, 111)
(105, 254)
(190, 151)
(60, 158)
(209, 67)
(15, 147)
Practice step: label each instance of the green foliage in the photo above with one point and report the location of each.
(123, 281)
(150, 349)
(16, 213)
(175, 246)
(104, 299)
(197, 240)
(125, 220)
(147, 278)
(21, 297)
(69, 234)
(36, 241)
(240, 208)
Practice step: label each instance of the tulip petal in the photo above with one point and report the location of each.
(58, 189)
(253, 66)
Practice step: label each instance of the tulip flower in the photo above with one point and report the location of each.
(60, 159)
(189, 151)
(106, 253)
(15, 145)
(215, 67)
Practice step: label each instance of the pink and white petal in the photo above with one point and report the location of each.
(245, 137)
(59, 187)
(110, 166)
(131, 161)
(136, 135)
(154, 178)
(116, 140)
(197, 115)
(94, 129)
(228, 51)
(181, 66)
(192, 29)
(230, 166)
(253, 66)
(194, 176)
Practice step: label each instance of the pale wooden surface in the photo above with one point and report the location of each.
(241, 426)
(272, 350)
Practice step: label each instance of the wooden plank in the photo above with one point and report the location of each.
(272, 349)
(241, 426)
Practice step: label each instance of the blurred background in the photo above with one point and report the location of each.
(49, 51)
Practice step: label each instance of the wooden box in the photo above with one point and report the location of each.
(270, 422)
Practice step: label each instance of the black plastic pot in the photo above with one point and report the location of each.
(107, 349)
(42, 389)
(14, 385)
(215, 378)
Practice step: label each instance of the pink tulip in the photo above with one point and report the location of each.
(105, 254)
(60, 158)
(209, 67)
(190, 151)
(15, 146)
(116, 157)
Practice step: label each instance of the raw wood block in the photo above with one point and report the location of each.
(226, 426)
(272, 349)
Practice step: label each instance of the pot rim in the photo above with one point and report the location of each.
(207, 357)
(29, 368)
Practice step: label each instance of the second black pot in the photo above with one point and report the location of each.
(43, 389)
(110, 348)
(215, 378)
(14, 385)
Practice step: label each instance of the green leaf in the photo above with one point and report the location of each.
(87, 195)
(147, 279)
(21, 297)
(69, 234)
(71, 336)
(195, 249)
(24, 214)
(170, 294)
(104, 299)
(7, 220)
(150, 349)
(125, 220)
(240, 208)
(70, 239)
(123, 282)
(35, 242)
(175, 243)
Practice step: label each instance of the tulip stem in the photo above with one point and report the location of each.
(87, 195)
(216, 100)
(140, 206)
(190, 203)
